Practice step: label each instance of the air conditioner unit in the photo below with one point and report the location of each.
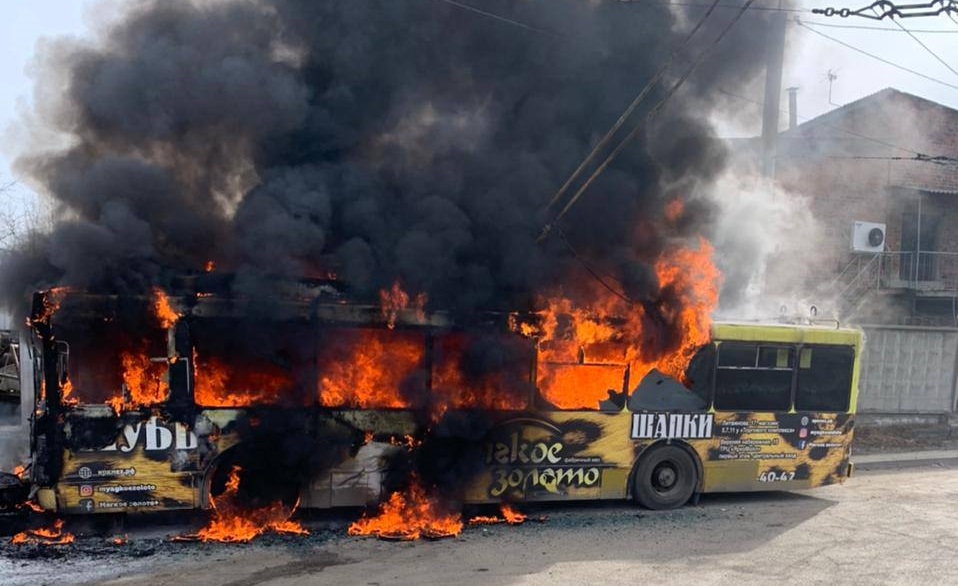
(868, 237)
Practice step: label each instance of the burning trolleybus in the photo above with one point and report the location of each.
(147, 403)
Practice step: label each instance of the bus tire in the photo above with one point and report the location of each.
(664, 478)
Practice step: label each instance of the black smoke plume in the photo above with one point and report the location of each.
(383, 140)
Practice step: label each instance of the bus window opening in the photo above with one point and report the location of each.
(824, 378)
(753, 378)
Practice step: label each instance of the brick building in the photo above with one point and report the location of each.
(889, 159)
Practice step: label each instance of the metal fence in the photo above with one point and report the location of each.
(922, 270)
(907, 369)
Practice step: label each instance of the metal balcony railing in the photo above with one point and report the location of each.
(926, 271)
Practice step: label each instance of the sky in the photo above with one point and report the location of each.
(808, 60)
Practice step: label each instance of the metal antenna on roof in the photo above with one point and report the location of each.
(831, 76)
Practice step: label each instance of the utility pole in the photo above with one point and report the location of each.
(774, 55)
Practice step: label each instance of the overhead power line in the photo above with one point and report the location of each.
(502, 18)
(882, 9)
(631, 108)
(876, 57)
(705, 4)
(832, 126)
(878, 28)
(925, 47)
(648, 117)
(939, 160)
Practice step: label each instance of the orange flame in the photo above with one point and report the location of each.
(120, 540)
(20, 471)
(163, 310)
(509, 515)
(144, 380)
(217, 385)
(33, 507)
(233, 524)
(394, 299)
(66, 393)
(51, 536)
(512, 516)
(366, 370)
(209, 267)
(407, 441)
(52, 299)
(409, 516)
(498, 390)
(608, 330)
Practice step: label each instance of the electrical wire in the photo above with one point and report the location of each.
(648, 117)
(923, 45)
(704, 4)
(631, 108)
(876, 57)
(588, 267)
(878, 28)
(502, 18)
(832, 126)
(939, 160)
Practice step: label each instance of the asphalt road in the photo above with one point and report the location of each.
(882, 527)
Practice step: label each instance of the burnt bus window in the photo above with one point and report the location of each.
(371, 368)
(750, 377)
(482, 370)
(580, 387)
(131, 364)
(824, 378)
(245, 362)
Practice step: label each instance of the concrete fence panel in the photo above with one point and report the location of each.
(908, 370)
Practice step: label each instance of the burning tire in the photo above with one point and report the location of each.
(664, 478)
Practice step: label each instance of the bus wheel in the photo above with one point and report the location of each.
(665, 478)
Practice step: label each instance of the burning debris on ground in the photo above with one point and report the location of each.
(231, 522)
(44, 536)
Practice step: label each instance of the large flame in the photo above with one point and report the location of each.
(366, 368)
(51, 536)
(237, 385)
(409, 515)
(231, 523)
(608, 330)
(144, 378)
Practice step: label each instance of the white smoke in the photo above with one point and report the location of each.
(766, 242)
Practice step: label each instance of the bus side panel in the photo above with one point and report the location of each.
(549, 456)
(775, 451)
(151, 465)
